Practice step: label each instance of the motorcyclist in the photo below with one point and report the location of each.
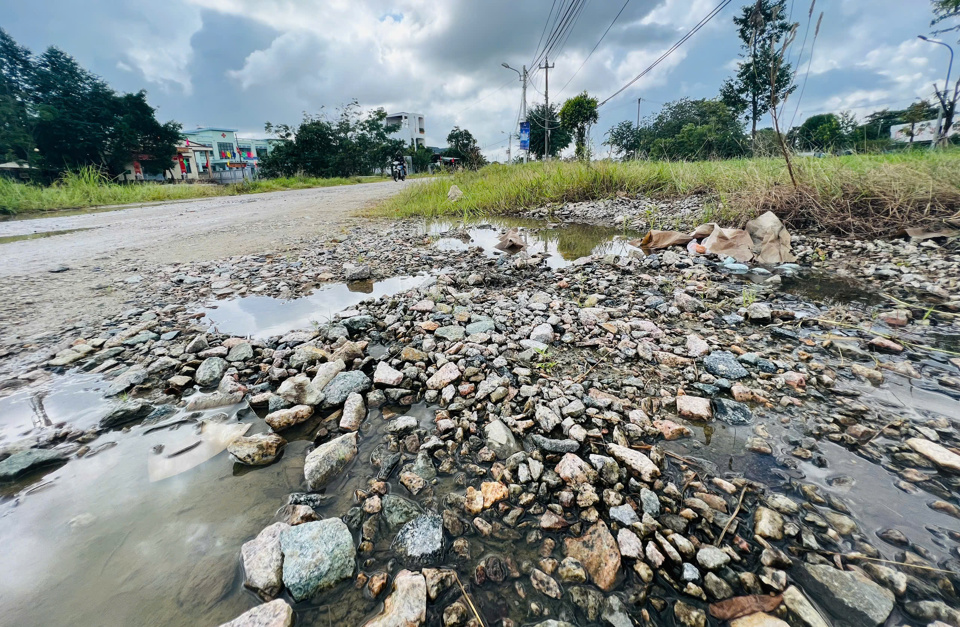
(400, 167)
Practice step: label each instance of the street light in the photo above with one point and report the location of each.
(946, 86)
(523, 101)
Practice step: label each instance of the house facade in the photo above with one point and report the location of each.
(208, 154)
(412, 128)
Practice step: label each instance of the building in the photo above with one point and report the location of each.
(230, 151)
(208, 154)
(412, 130)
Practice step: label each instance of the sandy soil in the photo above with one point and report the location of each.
(37, 303)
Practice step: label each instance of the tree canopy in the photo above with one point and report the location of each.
(683, 130)
(352, 143)
(577, 114)
(751, 93)
(73, 118)
(462, 145)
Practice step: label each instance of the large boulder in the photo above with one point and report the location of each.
(407, 604)
(263, 561)
(852, 598)
(329, 459)
(316, 555)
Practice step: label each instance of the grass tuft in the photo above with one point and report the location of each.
(856, 195)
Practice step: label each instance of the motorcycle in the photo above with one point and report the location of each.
(399, 170)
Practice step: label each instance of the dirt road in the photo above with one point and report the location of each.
(36, 302)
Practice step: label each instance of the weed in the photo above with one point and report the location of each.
(748, 296)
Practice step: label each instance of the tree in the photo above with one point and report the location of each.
(694, 129)
(540, 119)
(353, 143)
(577, 114)
(625, 139)
(751, 92)
(944, 10)
(461, 145)
(16, 139)
(421, 157)
(821, 133)
(914, 114)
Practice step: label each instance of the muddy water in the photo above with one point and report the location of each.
(560, 244)
(264, 316)
(16, 238)
(75, 400)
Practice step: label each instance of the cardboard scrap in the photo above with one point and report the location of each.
(511, 242)
(771, 240)
(917, 234)
(664, 239)
(765, 240)
(734, 243)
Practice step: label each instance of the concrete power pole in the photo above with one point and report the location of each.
(523, 107)
(546, 114)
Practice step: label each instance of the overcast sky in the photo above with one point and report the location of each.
(240, 63)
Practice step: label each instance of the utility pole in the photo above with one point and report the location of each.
(636, 153)
(546, 98)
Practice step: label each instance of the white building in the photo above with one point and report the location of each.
(412, 130)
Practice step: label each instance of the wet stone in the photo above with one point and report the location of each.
(316, 555)
(263, 561)
(731, 412)
(407, 604)
(328, 460)
(724, 364)
(257, 450)
(210, 371)
(277, 613)
(856, 600)
(23, 462)
(343, 385)
(420, 541)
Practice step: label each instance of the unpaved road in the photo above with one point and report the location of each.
(35, 303)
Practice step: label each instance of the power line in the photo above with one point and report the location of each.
(595, 47)
(566, 37)
(544, 31)
(565, 23)
(666, 54)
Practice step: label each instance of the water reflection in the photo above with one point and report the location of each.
(561, 243)
(264, 316)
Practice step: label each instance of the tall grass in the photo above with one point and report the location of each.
(852, 195)
(90, 188)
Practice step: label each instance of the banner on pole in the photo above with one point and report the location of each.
(524, 136)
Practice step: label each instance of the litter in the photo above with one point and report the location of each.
(771, 240)
(214, 438)
(511, 242)
(663, 239)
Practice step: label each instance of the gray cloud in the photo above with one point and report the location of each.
(239, 63)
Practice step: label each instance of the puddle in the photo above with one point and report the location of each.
(265, 316)
(562, 244)
(76, 399)
(16, 238)
(831, 289)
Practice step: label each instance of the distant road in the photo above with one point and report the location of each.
(36, 304)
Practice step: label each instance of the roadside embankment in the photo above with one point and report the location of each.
(857, 195)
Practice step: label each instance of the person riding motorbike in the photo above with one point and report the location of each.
(399, 168)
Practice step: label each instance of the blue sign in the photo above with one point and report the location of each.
(524, 136)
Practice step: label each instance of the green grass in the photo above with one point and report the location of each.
(863, 195)
(87, 188)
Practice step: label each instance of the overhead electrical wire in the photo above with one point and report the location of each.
(595, 47)
(544, 31)
(562, 28)
(672, 48)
